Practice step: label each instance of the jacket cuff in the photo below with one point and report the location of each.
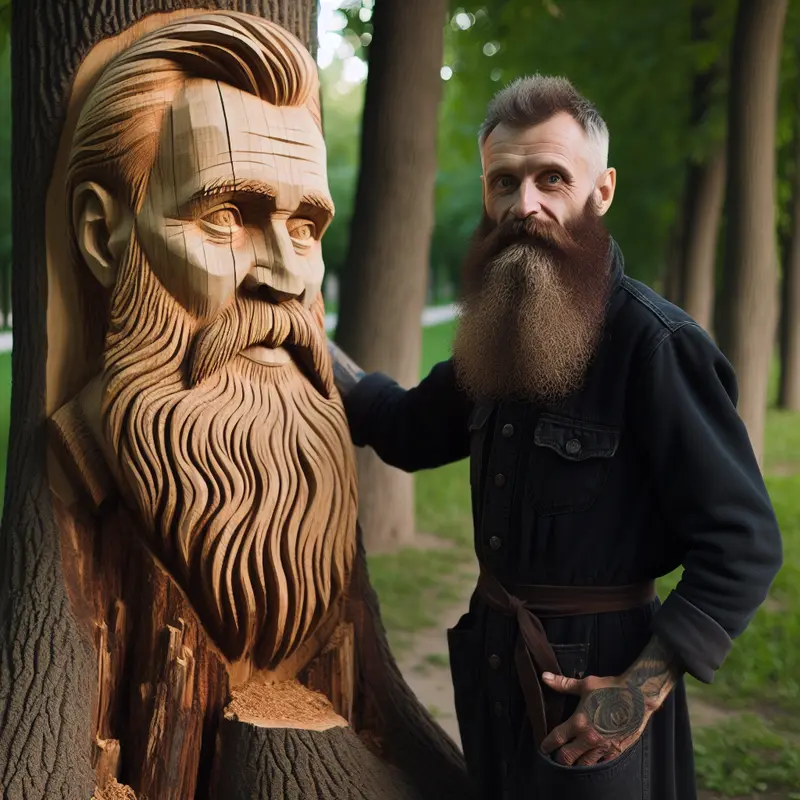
(358, 403)
(698, 640)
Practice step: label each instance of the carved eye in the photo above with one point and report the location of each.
(301, 229)
(226, 217)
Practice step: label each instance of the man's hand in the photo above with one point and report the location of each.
(346, 373)
(613, 712)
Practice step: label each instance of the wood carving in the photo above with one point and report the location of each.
(202, 480)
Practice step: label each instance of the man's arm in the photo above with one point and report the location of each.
(710, 490)
(419, 428)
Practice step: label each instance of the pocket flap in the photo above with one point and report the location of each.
(576, 440)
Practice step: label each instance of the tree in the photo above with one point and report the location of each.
(789, 389)
(749, 298)
(705, 180)
(56, 661)
(384, 281)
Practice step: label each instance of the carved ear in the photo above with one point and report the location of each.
(102, 225)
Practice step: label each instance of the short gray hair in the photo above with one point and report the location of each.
(534, 99)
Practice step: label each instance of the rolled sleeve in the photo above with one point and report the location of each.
(714, 506)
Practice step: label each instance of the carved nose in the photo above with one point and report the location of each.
(276, 285)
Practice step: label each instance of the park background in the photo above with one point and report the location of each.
(702, 98)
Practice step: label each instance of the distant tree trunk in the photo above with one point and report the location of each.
(672, 275)
(749, 299)
(789, 391)
(700, 246)
(384, 282)
(704, 191)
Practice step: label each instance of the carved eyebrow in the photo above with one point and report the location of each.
(318, 201)
(222, 186)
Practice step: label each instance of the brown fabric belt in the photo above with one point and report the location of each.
(533, 653)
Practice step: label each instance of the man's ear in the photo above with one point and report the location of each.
(102, 226)
(604, 190)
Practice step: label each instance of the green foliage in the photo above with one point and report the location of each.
(743, 755)
(5, 163)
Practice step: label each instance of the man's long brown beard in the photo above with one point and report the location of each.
(243, 473)
(532, 309)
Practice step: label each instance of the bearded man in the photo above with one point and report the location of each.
(605, 451)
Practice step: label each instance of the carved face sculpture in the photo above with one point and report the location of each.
(217, 409)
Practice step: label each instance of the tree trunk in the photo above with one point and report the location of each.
(385, 281)
(700, 249)
(703, 194)
(747, 325)
(789, 390)
(65, 672)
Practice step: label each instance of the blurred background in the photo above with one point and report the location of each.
(702, 98)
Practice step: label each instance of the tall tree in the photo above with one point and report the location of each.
(789, 390)
(749, 300)
(52, 674)
(384, 281)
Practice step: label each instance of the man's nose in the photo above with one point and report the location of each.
(528, 200)
(274, 269)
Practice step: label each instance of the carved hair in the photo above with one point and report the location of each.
(535, 99)
(116, 139)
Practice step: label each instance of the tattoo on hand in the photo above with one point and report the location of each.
(619, 712)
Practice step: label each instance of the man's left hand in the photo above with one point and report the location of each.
(611, 716)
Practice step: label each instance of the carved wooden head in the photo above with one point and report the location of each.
(196, 199)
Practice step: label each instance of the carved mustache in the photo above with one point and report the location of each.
(247, 322)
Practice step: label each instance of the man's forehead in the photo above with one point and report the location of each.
(216, 128)
(560, 135)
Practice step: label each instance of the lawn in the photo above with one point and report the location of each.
(743, 755)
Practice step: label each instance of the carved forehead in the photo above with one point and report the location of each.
(214, 131)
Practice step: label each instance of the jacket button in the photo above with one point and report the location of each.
(573, 447)
(495, 543)
(508, 431)
(499, 479)
(494, 661)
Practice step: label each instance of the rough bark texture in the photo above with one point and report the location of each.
(383, 287)
(702, 236)
(789, 392)
(747, 323)
(281, 762)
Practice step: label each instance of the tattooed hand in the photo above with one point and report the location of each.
(613, 712)
(346, 373)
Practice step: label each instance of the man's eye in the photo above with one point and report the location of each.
(227, 217)
(301, 229)
(505, 182)
(554, 178)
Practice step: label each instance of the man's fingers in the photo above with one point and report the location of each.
(562, 684)
(568, 756)
(590, 758)
(558, 737)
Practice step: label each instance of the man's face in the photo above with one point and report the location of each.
(548, 171)
(237, 201)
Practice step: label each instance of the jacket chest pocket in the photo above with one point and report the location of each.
(569, 464)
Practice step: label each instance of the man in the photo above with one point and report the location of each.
(605, 452)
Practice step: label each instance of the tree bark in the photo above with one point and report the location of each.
(789, 390)
(702, 236)
(59, 676)
(704, 191)
(749, 299)
(384, 284)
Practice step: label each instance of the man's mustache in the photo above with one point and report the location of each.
(247, 322)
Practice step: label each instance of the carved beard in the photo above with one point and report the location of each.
(243, 473)
(533, 307)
